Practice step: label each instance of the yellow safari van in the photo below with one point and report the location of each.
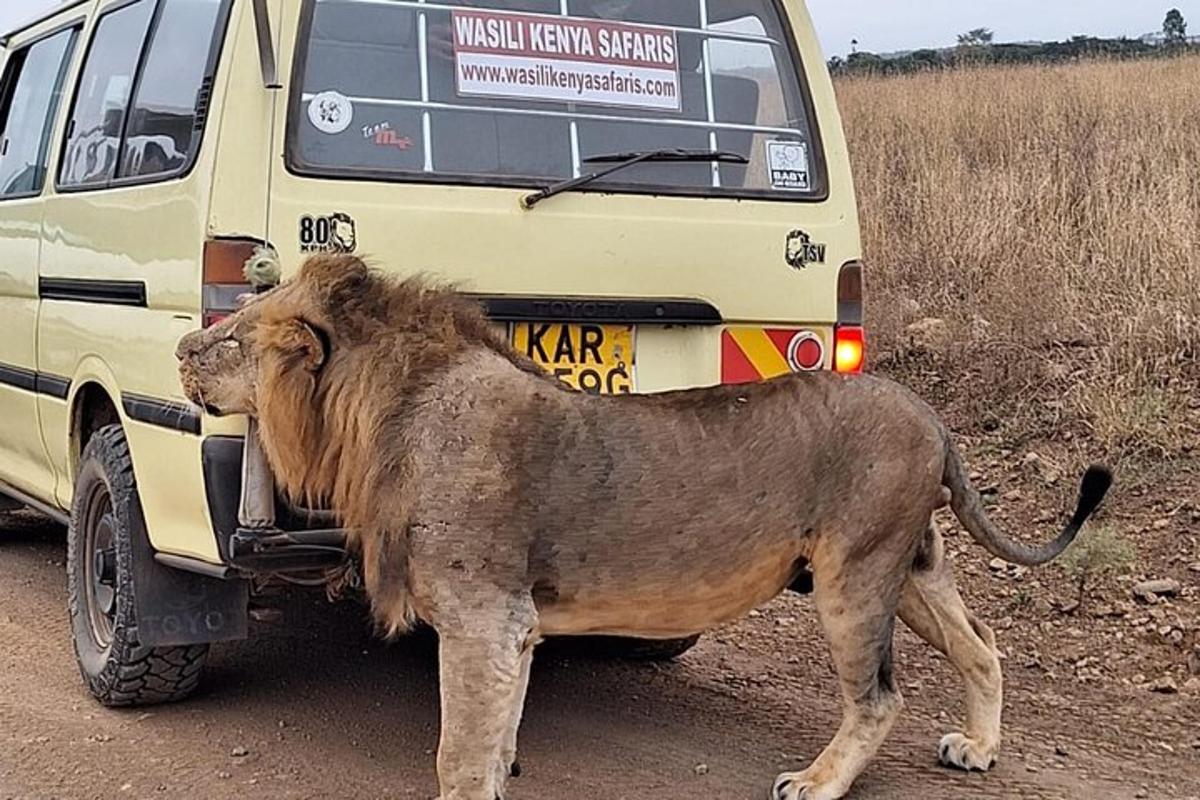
(648, 194)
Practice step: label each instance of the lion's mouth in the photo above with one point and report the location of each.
(196, 396)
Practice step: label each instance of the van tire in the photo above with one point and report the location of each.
(106, 527)
(652, 650)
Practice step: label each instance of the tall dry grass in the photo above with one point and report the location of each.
(1051, 217)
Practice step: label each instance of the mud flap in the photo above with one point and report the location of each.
(175, 608)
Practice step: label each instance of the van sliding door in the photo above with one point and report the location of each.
(30, 94)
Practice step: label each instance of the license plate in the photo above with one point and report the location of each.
(597, 359)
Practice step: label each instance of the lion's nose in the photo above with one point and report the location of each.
(187, 345)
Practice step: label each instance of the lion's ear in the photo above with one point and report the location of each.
(299, 344)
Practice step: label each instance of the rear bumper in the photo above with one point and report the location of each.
(297, 545)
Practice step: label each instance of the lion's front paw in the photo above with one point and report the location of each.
(962, 752)
(803, 786)
(507, 767)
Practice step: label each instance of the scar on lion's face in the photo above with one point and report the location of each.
(278, 333)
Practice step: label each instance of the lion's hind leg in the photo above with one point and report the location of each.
(931, 605)
(483, 659)
(859, 617)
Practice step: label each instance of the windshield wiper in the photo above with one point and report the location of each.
(622, 161)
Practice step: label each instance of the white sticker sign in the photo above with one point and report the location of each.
(331, 112)
(566, 59)
(788, 162)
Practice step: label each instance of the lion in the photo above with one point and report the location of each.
(500, 507)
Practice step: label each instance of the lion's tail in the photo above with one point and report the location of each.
(968, 507)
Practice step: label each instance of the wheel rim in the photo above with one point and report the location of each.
(100, 565)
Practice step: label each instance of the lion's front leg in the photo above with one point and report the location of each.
(482, 680)
(507, 765)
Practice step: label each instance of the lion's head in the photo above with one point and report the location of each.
(269, 360)
(324, 360)
(282, 334)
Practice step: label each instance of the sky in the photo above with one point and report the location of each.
(885, 25)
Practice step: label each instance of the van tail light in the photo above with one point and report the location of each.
(850, 339)
(224, 277)
(850, 294)
(850, 349)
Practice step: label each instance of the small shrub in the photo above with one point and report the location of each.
(1100, 552)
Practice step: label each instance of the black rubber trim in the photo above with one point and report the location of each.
(31, 381)
(163, 413)
(19, 377)
(85, 290)
(53, 386)
(221, 459)
(600, 310)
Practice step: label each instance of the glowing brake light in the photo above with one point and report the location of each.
(850, 349)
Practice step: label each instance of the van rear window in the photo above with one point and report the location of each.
(524, 92)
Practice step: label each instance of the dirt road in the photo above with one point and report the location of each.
(315, 707)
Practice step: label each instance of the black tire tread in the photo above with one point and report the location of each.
(626, 648)
(655, 650)
(133, 675)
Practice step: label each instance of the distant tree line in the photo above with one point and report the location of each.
(977, 47)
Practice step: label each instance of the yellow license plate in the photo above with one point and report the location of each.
(597, 359)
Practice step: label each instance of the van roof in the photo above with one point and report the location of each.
(53, 12)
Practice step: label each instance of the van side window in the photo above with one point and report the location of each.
(29, 101)
(162, 133)
(98, 116)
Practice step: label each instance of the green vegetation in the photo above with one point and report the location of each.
(1175, 28)
(1099, 553)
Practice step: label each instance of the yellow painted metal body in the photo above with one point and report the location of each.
(729, 253)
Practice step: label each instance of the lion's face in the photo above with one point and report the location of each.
(276, 341)
(218, 366)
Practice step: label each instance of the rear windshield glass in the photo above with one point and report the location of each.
(523, 92)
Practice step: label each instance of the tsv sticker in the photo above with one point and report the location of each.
(802, 250)
(335, 233)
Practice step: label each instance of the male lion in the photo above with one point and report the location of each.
(488, 500)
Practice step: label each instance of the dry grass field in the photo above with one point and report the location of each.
(1033, 241)
(1032, 237)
